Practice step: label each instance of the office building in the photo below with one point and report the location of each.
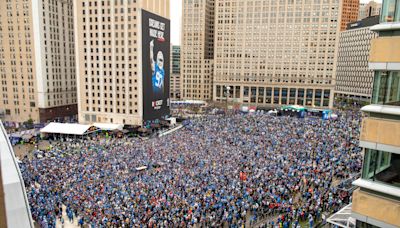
(370, 9)
(376, 203)
(197, 49)
(272, 53)
(175, 81)
(354, 79)
(350, 9)
(37, 60)
(109, 63)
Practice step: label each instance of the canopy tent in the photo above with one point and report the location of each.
(189, 102)
(141, 168)
(296, 108)
(66, 129)
(171, 120)
(108, 126)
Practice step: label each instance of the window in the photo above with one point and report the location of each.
(386, 88)
(390, 11)
(397, 15)
(381, 166)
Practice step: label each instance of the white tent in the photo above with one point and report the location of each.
(171, 120)
(189, 102)
(65, 128)
(108, 126)
(141, 168)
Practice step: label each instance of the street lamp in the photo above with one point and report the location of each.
(228, 88)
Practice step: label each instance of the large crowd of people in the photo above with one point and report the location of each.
(218, 170)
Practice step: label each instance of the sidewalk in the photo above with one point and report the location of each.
(67, 223)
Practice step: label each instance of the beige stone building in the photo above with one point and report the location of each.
(370, 9)
(197, 49)
(37, 60)
(108, 40)
(273, 53)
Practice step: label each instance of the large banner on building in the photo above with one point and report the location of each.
(155, 66)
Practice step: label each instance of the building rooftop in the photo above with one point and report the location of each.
(366, 22)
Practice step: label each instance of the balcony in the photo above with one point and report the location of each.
(375, 209)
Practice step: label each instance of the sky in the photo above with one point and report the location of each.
(176, 19)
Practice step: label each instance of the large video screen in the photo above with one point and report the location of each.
(155, 66)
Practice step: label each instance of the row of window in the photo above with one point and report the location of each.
(277, 96)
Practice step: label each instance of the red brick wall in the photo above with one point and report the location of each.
(349, 12)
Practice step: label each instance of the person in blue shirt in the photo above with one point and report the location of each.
(157, 68)
(311, 221)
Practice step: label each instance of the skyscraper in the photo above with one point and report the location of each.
(109, 61)
(37, 60)
(276, 52)
(197, 49)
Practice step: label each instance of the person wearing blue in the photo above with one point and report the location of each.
(157, 68)
(81, 222)
(311, 220)
(198, 181)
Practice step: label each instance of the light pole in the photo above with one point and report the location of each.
(228, 88)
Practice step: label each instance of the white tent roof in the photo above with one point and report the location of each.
(65, 128)
(189, 102)
(108, 126)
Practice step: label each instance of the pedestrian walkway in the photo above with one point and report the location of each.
(67, 223)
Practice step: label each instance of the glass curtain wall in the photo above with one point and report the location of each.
(390, 11)
(386, 90)
(381, 166)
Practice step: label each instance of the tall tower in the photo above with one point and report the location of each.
(37, 60)
(197, 49)
(272, 53)
(109, 61)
